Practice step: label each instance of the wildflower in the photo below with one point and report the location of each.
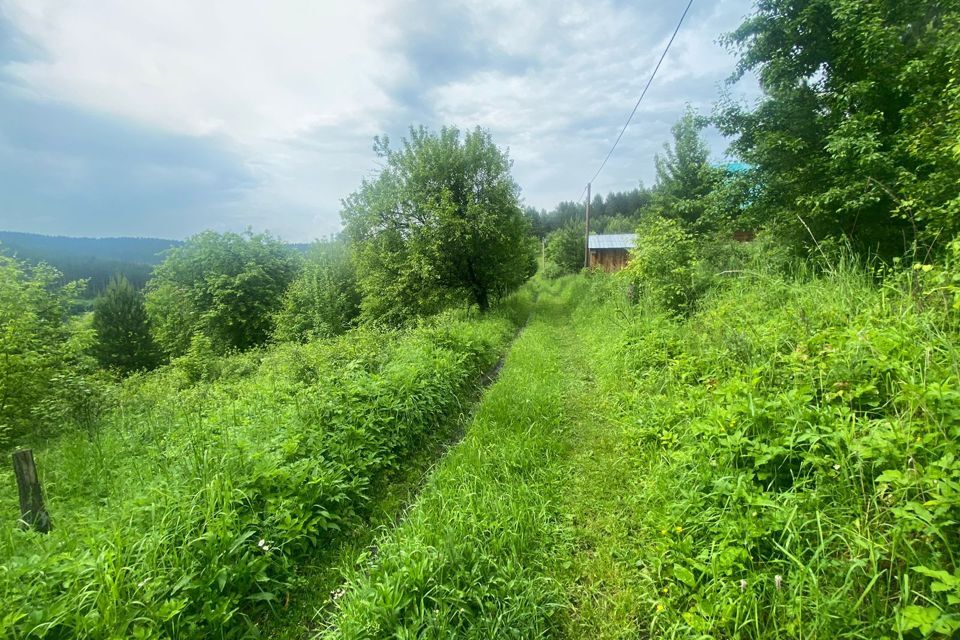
(663, 532)
(664, 590)
(659, 608)
(778, 581)
(678, 529)
(836, 467)
(743, 585)
(261, 543)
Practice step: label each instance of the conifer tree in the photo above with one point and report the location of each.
(123, 329)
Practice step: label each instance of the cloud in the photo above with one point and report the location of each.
(168, 117)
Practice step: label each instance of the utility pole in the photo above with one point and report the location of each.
(586, 242)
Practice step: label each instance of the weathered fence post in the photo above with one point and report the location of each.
(33, 513)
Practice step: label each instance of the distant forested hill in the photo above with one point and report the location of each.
(93, 259)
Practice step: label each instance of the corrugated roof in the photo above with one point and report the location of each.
(613, 241)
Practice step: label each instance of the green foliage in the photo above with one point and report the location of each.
(324, 299)
(207, 483)
(617, 212)
(123, 339)
(227, 287)
(684, 177)
(441, 224)
(565, 248)
(42, 355)
(663, 264)
(473, 558)
(857, 127)
(791, 463)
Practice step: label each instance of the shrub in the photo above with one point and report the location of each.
(663, 264)
(41, 353)
(324, 299)
(565, 248)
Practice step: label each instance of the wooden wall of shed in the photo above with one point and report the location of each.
(609, 259)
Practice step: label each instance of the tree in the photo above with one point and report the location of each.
(324, 300)
(227, 287)
(565, 247)
(440, 224)
(120, 320)
(684, 176)
(853, 132)
(42, 354)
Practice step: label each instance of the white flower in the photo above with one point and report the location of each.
(743, 585)
(261, 543)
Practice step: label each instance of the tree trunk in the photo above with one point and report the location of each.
(482, 298)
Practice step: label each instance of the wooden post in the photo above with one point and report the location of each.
(33, 514)
(586, 242)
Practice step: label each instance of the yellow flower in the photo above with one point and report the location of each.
(663, 532)
(679, 529)
(659, 607)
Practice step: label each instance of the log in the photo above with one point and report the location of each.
(33, 514)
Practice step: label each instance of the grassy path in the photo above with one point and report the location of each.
(479, 553)
(524, 529)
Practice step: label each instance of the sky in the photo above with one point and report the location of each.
(167, 117)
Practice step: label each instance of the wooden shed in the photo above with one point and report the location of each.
(611, 251)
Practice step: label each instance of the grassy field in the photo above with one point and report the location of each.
(781, 464)
(213, 492)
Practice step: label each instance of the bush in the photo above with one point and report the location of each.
(42, 354)
(663, 264)
(565, 248)
(324, 300)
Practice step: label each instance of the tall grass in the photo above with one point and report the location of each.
(790, 450)
(184, 511)
(473, 559)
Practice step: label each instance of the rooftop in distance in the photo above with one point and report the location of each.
(613, 241)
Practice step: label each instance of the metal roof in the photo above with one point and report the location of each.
(613, 241)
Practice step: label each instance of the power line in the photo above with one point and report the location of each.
(649, 82)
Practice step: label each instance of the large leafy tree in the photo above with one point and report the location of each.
(226, 288)
(441, 223)
(853, 133)
(124, 341)
(684, 176)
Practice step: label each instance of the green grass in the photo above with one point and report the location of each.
(779, 464)
(194, 509)
(475, 557)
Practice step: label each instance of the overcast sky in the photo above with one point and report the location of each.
(164, 118)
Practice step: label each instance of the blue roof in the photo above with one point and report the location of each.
(736, 167)
(613, 241)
